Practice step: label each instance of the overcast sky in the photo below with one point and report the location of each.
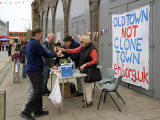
(18, 14)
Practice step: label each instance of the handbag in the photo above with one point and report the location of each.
(93, 74)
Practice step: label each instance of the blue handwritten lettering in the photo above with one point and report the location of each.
(128, 57)
(138, 45)
(126, 44)
(133, 44)
(122, 56)
(121, 44)
(119, 21)
(136, 59)
(115, 46)
(117, 55)
(132, 18)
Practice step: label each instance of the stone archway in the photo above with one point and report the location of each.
(79, 17)
(49, 21)
(59, 21)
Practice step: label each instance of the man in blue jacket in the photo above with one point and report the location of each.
(72, 44)
(34, 53)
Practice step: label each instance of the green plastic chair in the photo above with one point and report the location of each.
(111, 87)
(107, 77)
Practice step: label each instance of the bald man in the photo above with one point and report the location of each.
(48, 45)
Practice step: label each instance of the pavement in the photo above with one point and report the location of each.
(138, 106)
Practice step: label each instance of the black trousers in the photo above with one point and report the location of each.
(35, 103)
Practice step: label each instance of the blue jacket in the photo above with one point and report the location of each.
(75, 57)
(34, 53)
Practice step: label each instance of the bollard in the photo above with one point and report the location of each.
(16, 67)
(2, 105)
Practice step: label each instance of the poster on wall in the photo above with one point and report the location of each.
(130, 37)
(58, 37)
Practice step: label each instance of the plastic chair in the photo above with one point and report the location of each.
(107, 77)
(111, 87)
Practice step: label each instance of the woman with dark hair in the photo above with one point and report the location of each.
(72, 44)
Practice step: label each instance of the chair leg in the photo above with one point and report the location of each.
(100, 85)
(120, 96)
(100, 99)
(96, 86)
(114, 102)
(105, 95)
(117, 94)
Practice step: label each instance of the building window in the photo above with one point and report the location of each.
(10, 34)
(15, 34)
(20, 34)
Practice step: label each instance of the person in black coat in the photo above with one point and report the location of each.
(72, 44)
(23, 58)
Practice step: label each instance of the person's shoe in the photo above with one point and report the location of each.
(77, 94)
(83, 100)
(88, 104)
(42, 113)
(47, 93)
(27, 116)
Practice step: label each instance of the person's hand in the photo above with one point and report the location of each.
(55, 68)
(69, 58)
(54, 49)
(82, 67)
(63, 50)
(59, 53)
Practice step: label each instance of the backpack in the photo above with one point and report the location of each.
(73, 88)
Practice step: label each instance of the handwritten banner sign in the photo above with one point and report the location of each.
(130, 37)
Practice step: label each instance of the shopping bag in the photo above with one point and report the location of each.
(55, 95)
(16, 67)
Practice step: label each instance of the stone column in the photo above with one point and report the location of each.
(66, 15)
(35, 15)
(93, 4)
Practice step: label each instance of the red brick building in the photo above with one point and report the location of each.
(18, 36)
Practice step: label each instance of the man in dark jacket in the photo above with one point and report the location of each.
(71, 44)
(34, 53)
(48, 45)
(9, 48)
